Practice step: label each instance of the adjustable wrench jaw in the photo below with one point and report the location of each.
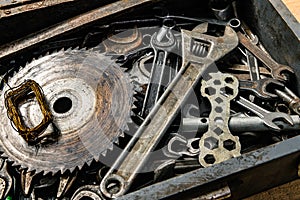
(216, 46)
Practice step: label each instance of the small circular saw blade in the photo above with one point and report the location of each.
(90, 97)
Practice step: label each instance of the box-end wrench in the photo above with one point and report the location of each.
(267, 116)
(277, 70)
(135, 155)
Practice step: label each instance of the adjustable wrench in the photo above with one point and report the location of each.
(277, 70)
(134, 156)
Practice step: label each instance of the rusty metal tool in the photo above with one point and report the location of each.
(260, 87)
(277, 70)
(11, 8)
(136, 153)
(179, 145)
(257, 85)
(290, 98)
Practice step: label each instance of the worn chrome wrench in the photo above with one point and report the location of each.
(267, 116)
(135, 155)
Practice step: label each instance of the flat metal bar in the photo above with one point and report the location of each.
(73, 23)
(18, 9)
(4, 3)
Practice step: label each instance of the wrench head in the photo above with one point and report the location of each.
(263, 86)
(228, 41)
(269, 120)
(280, 73)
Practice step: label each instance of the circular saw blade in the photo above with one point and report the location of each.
(90, 98)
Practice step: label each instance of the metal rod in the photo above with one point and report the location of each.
(238, 124)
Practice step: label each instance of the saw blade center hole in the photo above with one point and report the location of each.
(62, 105)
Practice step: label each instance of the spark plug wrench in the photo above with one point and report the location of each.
(144, 141)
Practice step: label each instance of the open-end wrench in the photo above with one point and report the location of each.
(135, 155)
(277, 70)
(162, 42)
(179, 146)
(267, 116)
(257, 85)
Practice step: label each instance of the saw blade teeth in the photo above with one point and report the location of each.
(122, 135)
(15, 164)
(135, 99)
(111, 146)
(132, 113)
(21, 168)
(42, 173)
(134, 107)
(104, 153)
(89, 162)
(3, 155)
(117, 142)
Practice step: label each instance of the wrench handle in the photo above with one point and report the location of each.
(252, 107)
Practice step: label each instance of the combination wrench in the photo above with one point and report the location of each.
(135, 155)
(277, 70)
(162, 42)
(257, 85)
